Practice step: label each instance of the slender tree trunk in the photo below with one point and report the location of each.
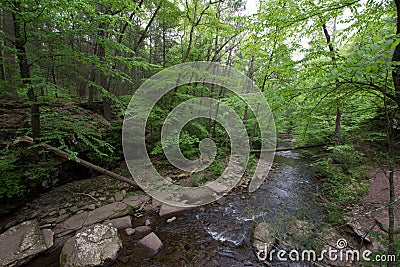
(10, 66)
(333, 58)
(20, 41)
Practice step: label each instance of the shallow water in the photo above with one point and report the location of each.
(219, 234)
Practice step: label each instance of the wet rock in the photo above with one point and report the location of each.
(20, 243)
(263, 237)
(118, 196)
(142, 230)
(129, 231)
(166, 210)
(120, 223)
(151, 242)
(95, 246)
(125, 259)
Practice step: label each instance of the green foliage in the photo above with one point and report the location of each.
(10, 179)
(343, 178)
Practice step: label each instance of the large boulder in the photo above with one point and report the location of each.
(86, 218)
(21, 242)
(93, 246)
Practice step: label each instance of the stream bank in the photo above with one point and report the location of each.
(218, 234)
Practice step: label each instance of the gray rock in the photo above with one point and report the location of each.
(62, 218)
(142, 230)
(129, 231)
(147, 222)
(74, 209)
(263, 237)
(151, 242)
(52, 213)
(20, 243)
(102, 198)
(86, 218)
(136, 201)
(62, 212)
(166, 210)
(94, 246)
(118, 196)
(120, 223)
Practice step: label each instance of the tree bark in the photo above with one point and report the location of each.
(337, 84)
(20, 41)
(9, 64)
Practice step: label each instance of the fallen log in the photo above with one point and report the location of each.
(289, 148)
(82, 162)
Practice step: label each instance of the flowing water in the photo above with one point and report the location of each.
(220, 234)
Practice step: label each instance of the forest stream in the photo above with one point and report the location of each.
(220, 233)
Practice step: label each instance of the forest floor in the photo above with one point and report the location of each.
(371, 214)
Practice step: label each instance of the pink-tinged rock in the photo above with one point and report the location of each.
(151, 242)
(120, 223)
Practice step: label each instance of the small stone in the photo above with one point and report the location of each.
(129, 231)
(74, 209)
(50, 220)
(120, 223)
(151, 242)
(118, 196)
(79, 211)
(123, 193)
(52, 213)
(98, 204)
(111, 200)
(67, 205)
(102, 198)
(147, 222)
(243, 197)
(141, 230)
(62, 212)
(170, 220)
(91, 207)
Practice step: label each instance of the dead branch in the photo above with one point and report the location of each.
(82, 162)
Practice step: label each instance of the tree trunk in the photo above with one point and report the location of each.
(333, 58)
(20, 41)
(396, 58)
(8, 56)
